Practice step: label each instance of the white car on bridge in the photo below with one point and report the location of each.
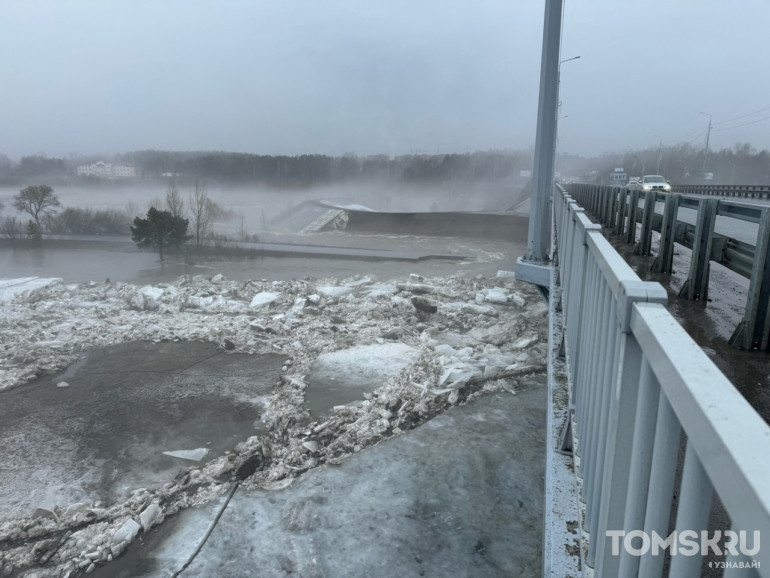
(655, 183)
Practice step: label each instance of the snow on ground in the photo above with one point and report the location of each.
(465, 337)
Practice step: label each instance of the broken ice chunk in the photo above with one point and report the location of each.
(525, 342)
(195, 455)
(126, 532)
(495, 295)
(334, 292)
(263, 298)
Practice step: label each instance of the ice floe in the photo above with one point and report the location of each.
(195, 455)
(485, 334)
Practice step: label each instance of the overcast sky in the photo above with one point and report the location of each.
(369, 77)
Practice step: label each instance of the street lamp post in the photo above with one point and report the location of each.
(559, 115)
(534, 268)
(708, 135)
(660, 152)
(558, 89)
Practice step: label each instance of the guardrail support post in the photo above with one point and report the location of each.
(645, 238)
(620, 212)
(610, 193)
(753, 332)
(633, 209)
(697, 284)
(662, 263)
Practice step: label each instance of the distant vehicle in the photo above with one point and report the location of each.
(618, 177)
(655, 183)
(634, 183)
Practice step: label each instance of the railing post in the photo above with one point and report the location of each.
(753, 332)
(697, 284)
(662, 263)
(645, 239)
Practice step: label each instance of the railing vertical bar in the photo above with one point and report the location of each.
(598, 382)
(587, 349)
(590, 375)
(574, 292)
(588, 334)
(693, 510)
(661, 491)
(608, 379)
(619, 450)
(594, 386)
(593, 410)
(641, 459)
(578, 318)
(568, 252)
(581, 332)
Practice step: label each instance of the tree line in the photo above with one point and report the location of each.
(164, 228)
(285, 171)
(681, 164)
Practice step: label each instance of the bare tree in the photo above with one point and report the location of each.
(131, 210)
(174, 201)
(37, 201)
(12, 228)
(154, 204)
(201, 210)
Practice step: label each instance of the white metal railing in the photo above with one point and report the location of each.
(637, 383)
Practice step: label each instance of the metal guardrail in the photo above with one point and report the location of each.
(619, 210)
(745, 191)
(637, 382)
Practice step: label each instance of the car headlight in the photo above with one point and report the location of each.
(646, 187)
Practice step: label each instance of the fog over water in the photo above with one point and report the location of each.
(258, 204)
(251, 210)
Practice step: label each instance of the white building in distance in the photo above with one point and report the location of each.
(107, 170)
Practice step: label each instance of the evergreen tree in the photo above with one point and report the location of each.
(160, 230)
